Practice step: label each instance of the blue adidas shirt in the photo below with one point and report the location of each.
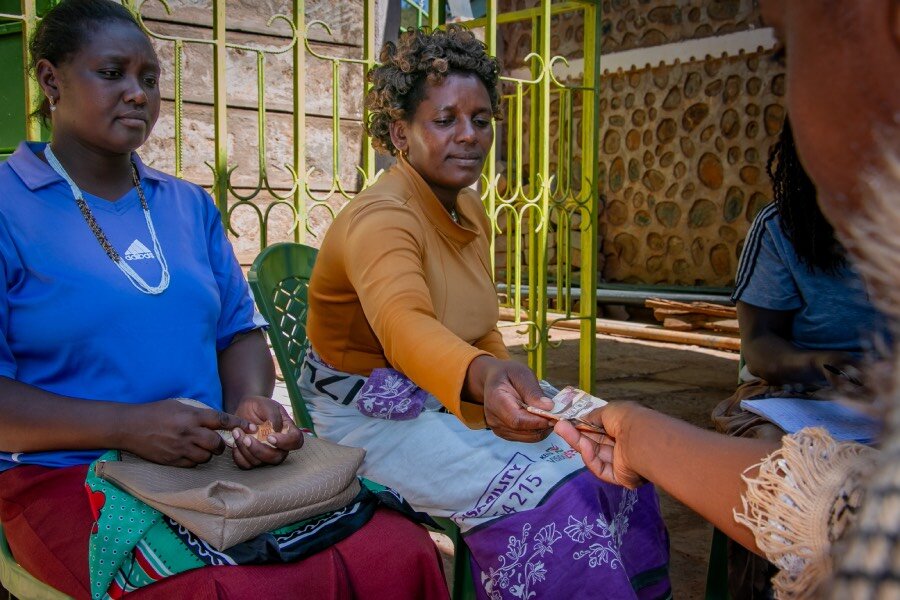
(71, 323)
(831, 312)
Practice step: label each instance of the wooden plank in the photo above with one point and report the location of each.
(662, 313)
(724, 325)
(660, 334)
(703, 308)
(643, 331)
(680, 324)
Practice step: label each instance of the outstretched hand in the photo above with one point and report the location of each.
(250, 452)
(170, 432)
(508, 387)
(601, 452)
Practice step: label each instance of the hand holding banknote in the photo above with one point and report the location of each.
(605, 453)
(505, 388)
(571, 404)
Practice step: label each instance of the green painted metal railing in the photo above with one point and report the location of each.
(549, 192)
(419, 8)
(24, 22)
(228, 198)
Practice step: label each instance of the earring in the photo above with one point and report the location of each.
(404, 154)
(52, 103)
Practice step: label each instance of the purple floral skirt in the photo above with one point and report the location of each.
(538, 524)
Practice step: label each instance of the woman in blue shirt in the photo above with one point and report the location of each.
(120, 293)
(804, 310)
(805, 316)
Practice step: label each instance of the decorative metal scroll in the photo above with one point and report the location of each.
(543, 201)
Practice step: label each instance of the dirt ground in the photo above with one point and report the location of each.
(682, 381)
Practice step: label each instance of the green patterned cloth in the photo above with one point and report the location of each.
(133, 545)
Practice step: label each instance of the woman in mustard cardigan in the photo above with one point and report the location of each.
(407, 362)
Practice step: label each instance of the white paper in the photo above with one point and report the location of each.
(793, 414)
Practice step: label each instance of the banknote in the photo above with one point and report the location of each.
(573, 405)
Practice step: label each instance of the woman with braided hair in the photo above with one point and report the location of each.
(805, 315)
(804, 311)
(802, 221)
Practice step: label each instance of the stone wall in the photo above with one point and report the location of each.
(629, 24)
(683, 162)
(683, 146)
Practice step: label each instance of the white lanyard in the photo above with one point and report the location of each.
(135, 279)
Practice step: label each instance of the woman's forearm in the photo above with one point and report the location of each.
(246, 369)
(33, 420)
(766, 342)
(780, 362)
(699, 468)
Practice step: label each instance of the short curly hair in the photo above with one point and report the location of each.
(419, 57)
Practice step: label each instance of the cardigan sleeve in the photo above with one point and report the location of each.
(492, 342)
(387, 273)
(804, 497)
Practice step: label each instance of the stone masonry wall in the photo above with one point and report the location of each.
(683, 162)
(683, 146)
(631, 24)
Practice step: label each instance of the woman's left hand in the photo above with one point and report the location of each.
(250, 452)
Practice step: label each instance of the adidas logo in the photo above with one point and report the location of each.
(137, 251)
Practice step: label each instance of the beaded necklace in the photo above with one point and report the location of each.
(135, 279)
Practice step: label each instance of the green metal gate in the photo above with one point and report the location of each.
(549, 191)
(14, 125)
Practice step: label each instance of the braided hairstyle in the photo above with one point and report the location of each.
(801, 220)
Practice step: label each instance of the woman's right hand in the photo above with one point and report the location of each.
(506, 388)
(838, 369)
(605, 454)
(172, 433)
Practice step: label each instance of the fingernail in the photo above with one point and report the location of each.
(247, 441)
(236, 432)
(252, 427)
(272, 440)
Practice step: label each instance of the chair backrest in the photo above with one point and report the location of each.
(279, 279)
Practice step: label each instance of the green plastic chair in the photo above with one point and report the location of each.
(279, 279)
(18, 582)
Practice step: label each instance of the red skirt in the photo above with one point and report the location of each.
(47, 521)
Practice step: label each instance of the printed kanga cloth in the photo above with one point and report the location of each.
(538, 524)
(133, 545)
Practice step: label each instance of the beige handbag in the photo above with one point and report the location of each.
(225, 505)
